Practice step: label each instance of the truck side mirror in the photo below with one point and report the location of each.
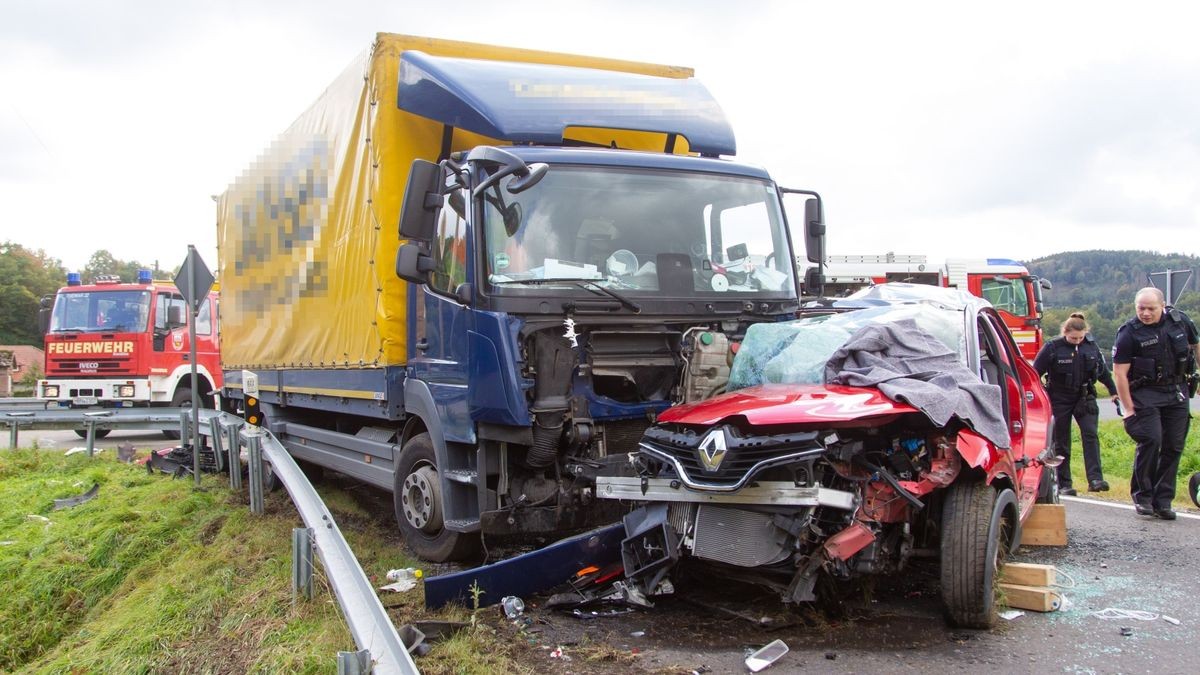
(814, 281)
(175, 316)
(814, 230)
(422, 201)
(413, 263)
(1045, 284)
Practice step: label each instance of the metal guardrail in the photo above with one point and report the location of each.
(22, 403)
(368, 621)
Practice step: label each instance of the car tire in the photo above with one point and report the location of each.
(100, 433)
(976, 526)
(1048, 487)
(419, 509)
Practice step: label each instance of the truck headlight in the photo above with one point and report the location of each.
(50, 391)
(124, 391)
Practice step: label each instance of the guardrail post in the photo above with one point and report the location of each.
(217, 442)
(235, 456)
(354, 663)
(91, 438)
(254, 448)
(302, 566)
(185, 418)
(12, 435)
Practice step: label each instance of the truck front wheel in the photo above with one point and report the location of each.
(417, 496)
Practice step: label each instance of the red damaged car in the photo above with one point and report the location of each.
(897, 423)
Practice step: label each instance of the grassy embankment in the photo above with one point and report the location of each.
(1116, 458)
(155, 576)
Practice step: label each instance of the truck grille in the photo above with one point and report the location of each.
(89, 367)
(743, 456)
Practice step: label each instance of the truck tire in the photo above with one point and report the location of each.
(976, 525)
(100, 433)
(1048, 487)
(417, 496)
(181, 399)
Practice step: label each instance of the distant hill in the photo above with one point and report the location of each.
(1102, 284)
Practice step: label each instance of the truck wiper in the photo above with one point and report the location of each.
(585, 284)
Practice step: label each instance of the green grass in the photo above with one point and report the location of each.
(1116, 458)
(155, 576)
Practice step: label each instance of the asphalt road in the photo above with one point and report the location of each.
(1114, 559)
(1109, 412)
(65, 440)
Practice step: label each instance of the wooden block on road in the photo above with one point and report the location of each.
(1046, 526)
(1028, 574)
(1030, 597)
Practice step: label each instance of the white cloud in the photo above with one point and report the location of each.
(947, 129)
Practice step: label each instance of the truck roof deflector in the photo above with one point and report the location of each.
(535, 103)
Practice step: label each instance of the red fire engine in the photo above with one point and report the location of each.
(115, 344)
(1007, 284)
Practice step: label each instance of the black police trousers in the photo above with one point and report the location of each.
(1159, 432)
(1086, 412)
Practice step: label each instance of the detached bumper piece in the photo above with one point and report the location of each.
(650, 548)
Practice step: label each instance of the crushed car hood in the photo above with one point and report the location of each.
(788, 404)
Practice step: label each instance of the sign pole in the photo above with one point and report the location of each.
(192, 358)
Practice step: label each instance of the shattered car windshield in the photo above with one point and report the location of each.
(795, 352)
(672, 233)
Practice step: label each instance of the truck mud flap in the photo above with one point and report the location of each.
(528, 573)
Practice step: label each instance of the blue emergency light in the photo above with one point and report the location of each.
(73, 279)
(144, 277)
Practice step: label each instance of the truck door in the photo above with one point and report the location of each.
(439, 355)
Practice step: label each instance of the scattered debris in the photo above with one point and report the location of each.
(638, 633)
(79, 449)
(7, 542)
(512, 606)
(1011, 614)
(558, 653)
(770, 653)
(125, 452)
(1118, 613)
(44, 519)
(1171, 620)
(1126, 631)
(405, 580)
(70, 502)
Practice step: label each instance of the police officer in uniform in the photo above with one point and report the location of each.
(1154, 359)
(1071, 364)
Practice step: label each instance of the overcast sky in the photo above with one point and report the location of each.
(941, 129)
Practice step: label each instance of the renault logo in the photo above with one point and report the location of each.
(712, 449)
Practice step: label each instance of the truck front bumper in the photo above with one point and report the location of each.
(115, 392)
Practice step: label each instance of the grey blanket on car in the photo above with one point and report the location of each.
(908, 364)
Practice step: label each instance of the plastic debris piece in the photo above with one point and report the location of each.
(638, 633)
(1126, 631)
(1011, 614)
(79, 449)
(1171, 620)
(1118, 613)
(7, 542)
(44, 519)
(70, 502)
(125, 452)
(768, 654)
(512, 606)
(400, 586)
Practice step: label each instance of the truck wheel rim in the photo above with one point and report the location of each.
(420, 501)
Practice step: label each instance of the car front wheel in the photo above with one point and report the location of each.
(977, 524)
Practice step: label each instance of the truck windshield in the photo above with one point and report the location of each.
(1006, 294)
(100, 311)
(670, 233)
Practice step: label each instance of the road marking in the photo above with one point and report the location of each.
(1117, 505)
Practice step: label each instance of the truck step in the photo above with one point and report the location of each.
(464, 476)
(463, 525)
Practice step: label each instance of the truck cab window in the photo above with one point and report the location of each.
(1006, 294)
(450, 244)
(204, 319)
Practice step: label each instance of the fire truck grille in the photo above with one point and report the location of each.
(84, 367)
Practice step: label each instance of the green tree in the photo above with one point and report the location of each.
(103, 262)
(25, 276)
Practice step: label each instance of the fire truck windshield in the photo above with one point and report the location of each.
(100, 311)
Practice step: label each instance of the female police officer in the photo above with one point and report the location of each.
(1154, 359)
(1071, 364)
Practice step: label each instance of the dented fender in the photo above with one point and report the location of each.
(980, 453)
